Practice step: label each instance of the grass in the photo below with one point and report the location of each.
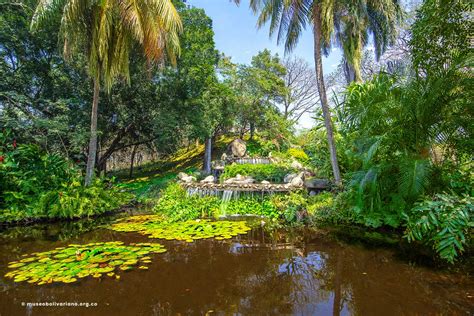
(150, 178)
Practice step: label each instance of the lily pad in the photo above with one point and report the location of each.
(154, 227)
(68, 264)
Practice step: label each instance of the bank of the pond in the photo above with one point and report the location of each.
(266, 270)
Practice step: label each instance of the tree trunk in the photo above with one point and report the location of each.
(252, 130)
(93, 140)
(207, 156)
(351, 73)
(322, 93)
(132, 160)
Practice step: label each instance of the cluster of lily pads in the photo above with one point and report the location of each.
(68, 264)
(191, 230)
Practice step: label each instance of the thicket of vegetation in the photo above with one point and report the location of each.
(35, 185)
(394, 134)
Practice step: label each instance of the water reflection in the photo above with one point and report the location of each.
(261, 273)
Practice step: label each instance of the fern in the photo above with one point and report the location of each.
(414, 177)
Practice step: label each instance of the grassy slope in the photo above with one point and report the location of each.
(150, 178)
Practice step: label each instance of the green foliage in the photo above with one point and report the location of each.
(260, 172)
(290, 206)
(298, 154)
(439, 35)
(68, 264)
(176, 205)
(444, 222)
(35, 184)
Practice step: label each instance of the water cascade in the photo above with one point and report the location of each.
(226, 197)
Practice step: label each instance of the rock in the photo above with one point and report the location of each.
(297, 181)
(208, 179)
(289, 177)
(229, 181)
(182, 175)
(188, 179)
(224, 157)
(237, 148)
(248, 180)
(265, 182)
(296, 165)
(320, 184)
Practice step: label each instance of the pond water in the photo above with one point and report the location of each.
(260, 273)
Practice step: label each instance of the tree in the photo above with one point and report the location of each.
(347, 22)
(259, 86)
(302, 92)
(104, 32)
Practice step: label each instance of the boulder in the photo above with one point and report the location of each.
(248, 180)
(182, 175)
(296, 165)
(188, 179)
(208, 179)
(237, 148)
(265, 182)
(289, 177)
(224, 157)
(319, 184)
(297, 181)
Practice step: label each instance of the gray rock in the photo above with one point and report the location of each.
(320, 184)
(237, 148)
(182, 175)
(297, 181)
(208, 179)
(289, 177)
(296, 165)
(188, 179)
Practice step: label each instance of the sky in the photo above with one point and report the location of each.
(236, 35)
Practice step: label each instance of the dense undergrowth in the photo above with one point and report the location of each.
(38, 185)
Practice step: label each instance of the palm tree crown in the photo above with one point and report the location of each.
(345, 23)
(105, 31)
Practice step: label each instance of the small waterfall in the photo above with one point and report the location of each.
(226, 197)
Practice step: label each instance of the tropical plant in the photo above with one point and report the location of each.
(444, 222)
(35, 184)
(348, 23)
(105, 33)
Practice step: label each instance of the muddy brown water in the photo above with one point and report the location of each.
(260, 273)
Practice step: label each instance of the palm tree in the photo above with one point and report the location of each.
(347, 23)
(104, 31)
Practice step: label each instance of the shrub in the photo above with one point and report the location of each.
(35, 184)
(444, 222)
(260, 172)
(176, 205)
(298, 154)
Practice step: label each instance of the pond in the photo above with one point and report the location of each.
(261, 272)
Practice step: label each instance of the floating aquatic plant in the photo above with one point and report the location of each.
(68, 264)
(154, 227)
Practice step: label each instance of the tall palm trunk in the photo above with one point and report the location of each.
(93, 139)
(322, 93)
(207, 156)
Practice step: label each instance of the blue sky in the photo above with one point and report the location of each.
(237, 36)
